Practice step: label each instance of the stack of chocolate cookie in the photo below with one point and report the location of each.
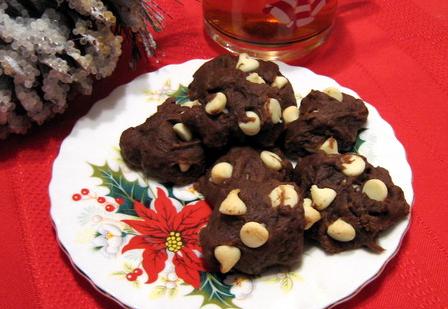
(229, 139)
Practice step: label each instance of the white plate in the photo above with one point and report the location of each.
(94, 237)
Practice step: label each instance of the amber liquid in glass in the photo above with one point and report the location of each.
(269, 23)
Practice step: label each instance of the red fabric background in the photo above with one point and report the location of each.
(393, 53)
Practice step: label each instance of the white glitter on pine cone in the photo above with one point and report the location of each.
(44, 59)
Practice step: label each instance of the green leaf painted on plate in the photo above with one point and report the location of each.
(214, 291)
(120, 187)
(286, 284)
(119, 273)
(158, 292)
(128, 267)
(181, 94)
(127, 231)
(359, 141)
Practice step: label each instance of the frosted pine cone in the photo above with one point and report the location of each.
(49, 48)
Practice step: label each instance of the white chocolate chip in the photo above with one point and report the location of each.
(353, 165)
(271, 160)
(284, 195)
(217, 104)
(251, 127)
(311, 215)
(255, 78)
(227, 256)
(274, 110)
(221, 172)
(279, 82)
(233, 205)
(322, 197)
(290, 114)
(190, 104)
(341, 231)
(246, 63)
(334, 93)
(307, 202)
(375, 189)
(183, 132)
(330, 146)
(254, 234)
(184, 167)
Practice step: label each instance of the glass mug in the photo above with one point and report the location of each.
(269, 29)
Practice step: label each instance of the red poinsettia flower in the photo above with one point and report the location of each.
(165, 230)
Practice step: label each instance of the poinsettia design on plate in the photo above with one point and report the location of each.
(164, 233)
(164, 222)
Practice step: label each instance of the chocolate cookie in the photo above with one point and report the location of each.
(257, 221)
(242, 164)
(164, 147)
(325, 122)
(246, 96)
(256, 226)
(350, 201)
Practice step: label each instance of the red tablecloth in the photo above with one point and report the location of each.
(393, 53)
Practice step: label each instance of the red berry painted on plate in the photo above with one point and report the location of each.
(101, 200)
(85, 191)
(76, 197)
(119, 200)
(131, 277)
(138, 271)
(110, 207)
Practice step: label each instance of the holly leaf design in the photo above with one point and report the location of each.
(359, 141)
(214, 291)
(181, 94)
(120, 187)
